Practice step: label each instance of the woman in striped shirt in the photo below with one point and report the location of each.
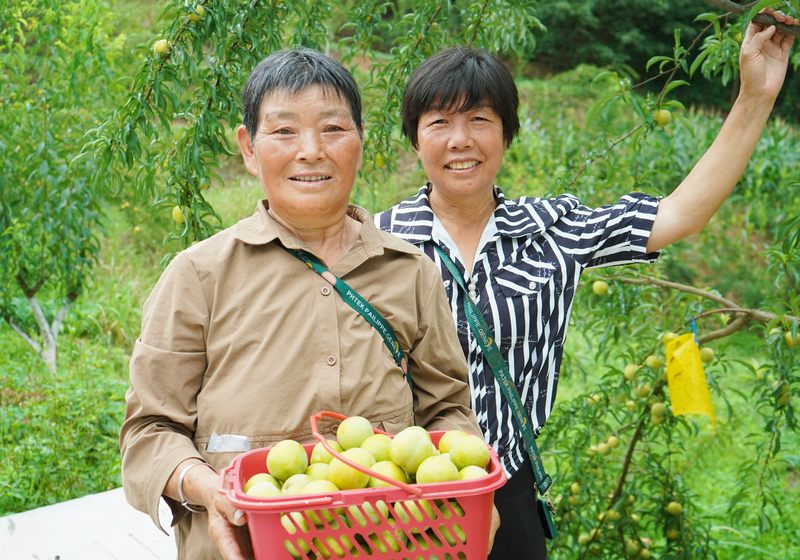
(520, 260)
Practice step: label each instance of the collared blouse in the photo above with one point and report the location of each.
(523, 280)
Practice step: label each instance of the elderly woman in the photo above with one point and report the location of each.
(517, 263)
(242, 341)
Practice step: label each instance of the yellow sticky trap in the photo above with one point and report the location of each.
(688, 387)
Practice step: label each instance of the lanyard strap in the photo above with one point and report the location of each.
(499, 368)
(362, 306)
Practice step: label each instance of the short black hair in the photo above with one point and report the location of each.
(294, 70)
(460, 78)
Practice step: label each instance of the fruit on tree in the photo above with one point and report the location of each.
(161, 48)
(707, 354)
(658, 409)
(630, 371)
(573, 500)
(643, 390)
(286, 458)
(674, 508)
(653, 361)
(600, 287)
(177, 215)
(662, 117)
(791, 341)
(783, 395)
(668, 337)
(353, 431)
(197, 15)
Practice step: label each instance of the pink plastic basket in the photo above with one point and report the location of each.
(423, 521)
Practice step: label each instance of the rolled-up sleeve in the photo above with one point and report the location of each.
(609, 235)
(166, 373)
(438, 367)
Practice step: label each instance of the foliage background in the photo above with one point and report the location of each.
(58, 431)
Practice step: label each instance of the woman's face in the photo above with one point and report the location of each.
(461, 151)
(306, 153)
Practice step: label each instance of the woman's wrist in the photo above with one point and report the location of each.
(196, 485)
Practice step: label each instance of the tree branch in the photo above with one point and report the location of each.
(44, 327)
(762, 19)
(626, 465)
(59, 318)
(25, 336)
(477, 24)
(729, 306)
(649, 280)
(727, 330)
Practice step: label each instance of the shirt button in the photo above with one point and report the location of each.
(532, 285)
(325, 290)
(331, 360)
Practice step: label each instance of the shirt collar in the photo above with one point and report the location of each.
(261, 228)
(413, 219)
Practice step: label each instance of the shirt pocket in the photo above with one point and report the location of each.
(525, 277)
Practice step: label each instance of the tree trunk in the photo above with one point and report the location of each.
(47, 350)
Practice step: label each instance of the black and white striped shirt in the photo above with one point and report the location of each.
(524, 279)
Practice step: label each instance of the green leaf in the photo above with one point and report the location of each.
(755, 9)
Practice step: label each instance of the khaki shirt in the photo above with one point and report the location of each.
(240, 337)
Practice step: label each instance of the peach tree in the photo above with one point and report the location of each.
(58, 64)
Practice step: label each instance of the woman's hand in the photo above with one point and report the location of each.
(764, 56)
(227, 527)
(495, 525)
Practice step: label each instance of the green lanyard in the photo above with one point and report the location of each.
(362, 306)
(500, 370)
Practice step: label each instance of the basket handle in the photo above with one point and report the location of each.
(226, 489)
(314, 430)
(225, 484)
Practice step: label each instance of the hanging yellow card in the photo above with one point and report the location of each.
(688, 387)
